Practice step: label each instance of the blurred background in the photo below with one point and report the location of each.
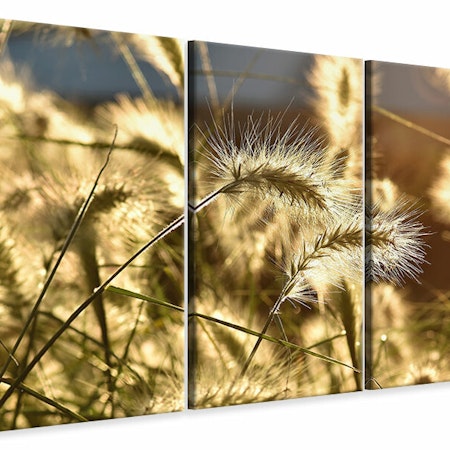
(77, 67)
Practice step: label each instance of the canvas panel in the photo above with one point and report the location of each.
(408, 110)
(275, 226)
(91, 225)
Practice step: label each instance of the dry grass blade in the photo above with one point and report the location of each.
(146, 298)
(61, 408)
(411, 125)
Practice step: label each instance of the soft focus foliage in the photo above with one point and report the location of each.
(123, 355)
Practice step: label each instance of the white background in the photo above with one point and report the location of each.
(404, 418)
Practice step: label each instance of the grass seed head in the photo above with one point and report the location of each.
(439, 191)
(287, 169)
(338, 91)
(395, 243)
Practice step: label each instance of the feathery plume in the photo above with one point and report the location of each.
(331, 256)
(156, 130)
(283, 168)
(338, 89)
(164, 53)
(395, 248)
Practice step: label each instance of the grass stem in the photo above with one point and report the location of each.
(75, 226)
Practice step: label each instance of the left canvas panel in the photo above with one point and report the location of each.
(91, 225)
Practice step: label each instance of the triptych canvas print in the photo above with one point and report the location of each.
(197, 225)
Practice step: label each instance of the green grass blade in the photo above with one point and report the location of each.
(275, 340)
(146, 298)
(48, 401)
